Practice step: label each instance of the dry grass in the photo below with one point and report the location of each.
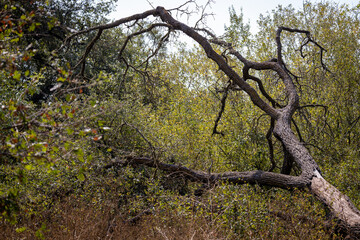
(74, 218)
(88, 223)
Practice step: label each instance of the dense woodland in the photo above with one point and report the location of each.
(116, 130)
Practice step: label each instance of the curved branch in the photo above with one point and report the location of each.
(308, 40)
(87, 51)
(315, 105)
(339, 204)
(162, 40)
(261, 86)
(309, 122)
(114, 24)
(182, 5)
(297, 130)
(219, 60)
(250, 64)
(274, 65)
(128, 38)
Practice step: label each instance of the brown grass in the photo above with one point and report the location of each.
(74, 218)
(88, 223)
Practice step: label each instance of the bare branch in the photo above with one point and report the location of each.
(162, 40)
(302, 47)
(294, 150)
(203, 14)
(308, 40)
(206, 31)
(135, 17)
(270, 144)
(297, 130)
(273, 65)
(151, 27)
(312, 105)
(181, 6)
(211, 53)
(223, 102)
(250, 64)
(87, 51)
(143, 137)
(261, 86)
(315, 105)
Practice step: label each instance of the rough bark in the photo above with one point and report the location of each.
(252, 177)
(287, 163)
(339, 204)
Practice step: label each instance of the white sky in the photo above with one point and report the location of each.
(251, 9)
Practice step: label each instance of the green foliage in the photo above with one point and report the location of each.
(59, 129)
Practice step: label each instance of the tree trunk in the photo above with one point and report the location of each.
(287, 163)
(339, 204)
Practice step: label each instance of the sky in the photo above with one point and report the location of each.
(251, 9)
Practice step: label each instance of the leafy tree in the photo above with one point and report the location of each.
(34, 132)
(86, 104)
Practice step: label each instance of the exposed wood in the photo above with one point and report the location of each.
(339, 204)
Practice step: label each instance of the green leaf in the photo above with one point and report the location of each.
(67, 146)
(29, 167)
(17, 75)
(79, 152)
(32, 27)
(20, 230)
(81, 177)
(15, 40)
(101, 123)
(50, 25)
(69, 131)
(39, 233)
(61, 79)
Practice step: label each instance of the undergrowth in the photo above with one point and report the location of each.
(130, 204)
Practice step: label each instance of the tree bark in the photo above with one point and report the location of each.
(340, 205)
(252, 177)
(287, 163)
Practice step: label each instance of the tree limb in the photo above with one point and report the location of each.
(249, 177)
(223, 102)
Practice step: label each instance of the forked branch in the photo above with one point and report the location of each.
(308, 39)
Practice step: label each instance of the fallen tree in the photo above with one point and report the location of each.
(281, 115)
